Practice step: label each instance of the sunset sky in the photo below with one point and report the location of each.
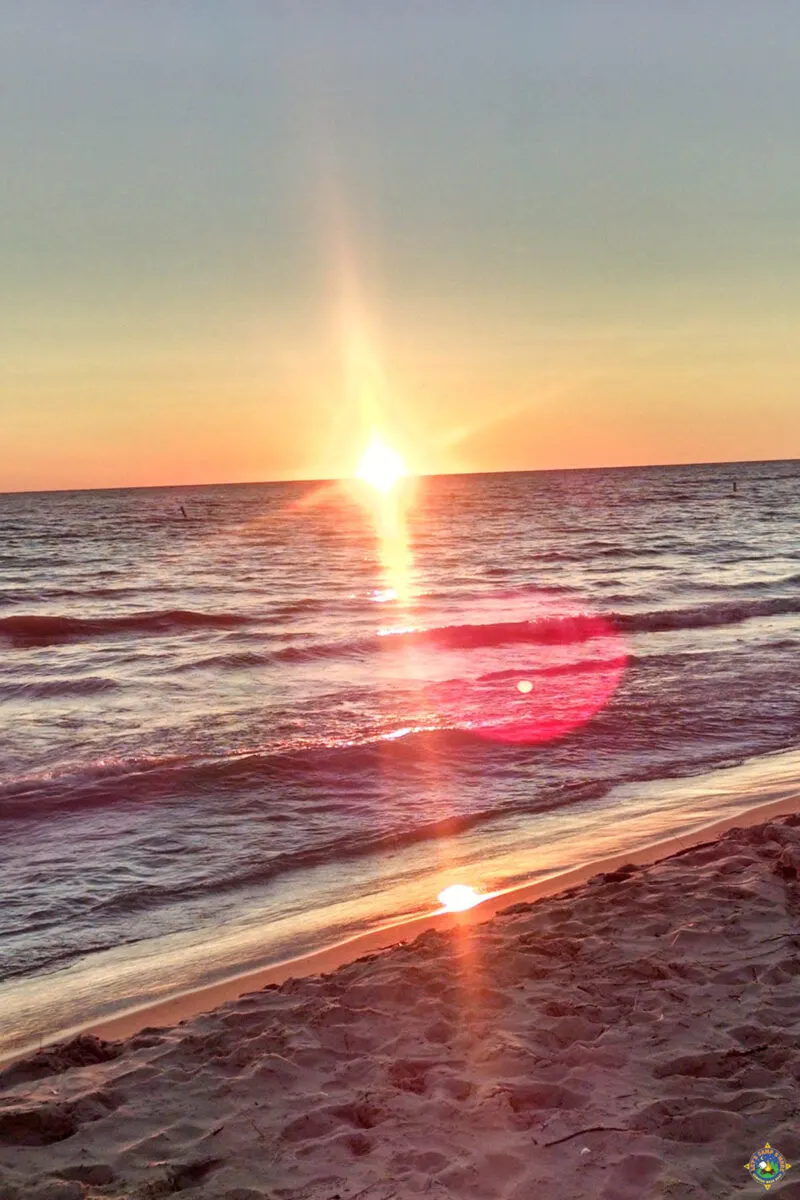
(512, 234)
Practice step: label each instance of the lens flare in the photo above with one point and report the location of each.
(458, 898)
(574, 661)
(381, 466)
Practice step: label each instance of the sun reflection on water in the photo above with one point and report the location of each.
(383, 473)
(458, 898)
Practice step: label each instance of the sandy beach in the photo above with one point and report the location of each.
(633, 1035)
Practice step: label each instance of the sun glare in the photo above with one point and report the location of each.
(381, 466)
(458, 898)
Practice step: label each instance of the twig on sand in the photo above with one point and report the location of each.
(751, 1049)
(258, 1131)
(369, 1187)
(375, 1183)
(591, 1129)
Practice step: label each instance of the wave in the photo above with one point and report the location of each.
(235, 661)
(558, 630)
(92, 592)
(575, 668)
(343, 770)
(306, 604)
(547, 631)
(755, 585)
(345, 848)
(706, 615)
(41, 629)
(260, 868)
(332, 764)
(561, 630)
(256, 869)
(44, 689)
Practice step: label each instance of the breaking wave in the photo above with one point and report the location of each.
(41, 629)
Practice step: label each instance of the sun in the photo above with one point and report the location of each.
(381, 466)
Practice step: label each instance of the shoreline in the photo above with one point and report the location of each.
(174, 1010)
(631, 1036)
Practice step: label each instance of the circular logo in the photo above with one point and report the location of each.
(767, 1165)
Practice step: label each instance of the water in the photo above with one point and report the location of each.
(233, 738)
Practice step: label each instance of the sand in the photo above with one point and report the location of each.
(633, 1036)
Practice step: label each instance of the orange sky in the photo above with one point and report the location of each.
(450, 401)
(232, 247)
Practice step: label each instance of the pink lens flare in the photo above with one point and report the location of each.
(574, 662)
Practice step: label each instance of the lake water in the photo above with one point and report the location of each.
(300, 710)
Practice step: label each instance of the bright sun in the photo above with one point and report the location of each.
(380, 466)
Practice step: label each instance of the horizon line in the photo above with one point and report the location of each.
(151, 487)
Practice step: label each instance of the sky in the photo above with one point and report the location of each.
(236, 238)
